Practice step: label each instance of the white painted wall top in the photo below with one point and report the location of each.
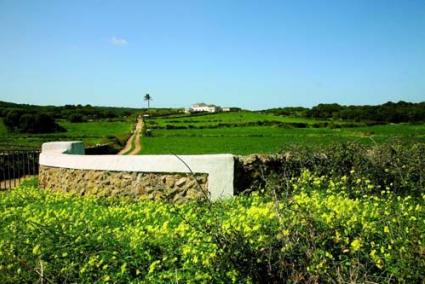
(220, 167)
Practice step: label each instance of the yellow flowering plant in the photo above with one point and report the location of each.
(320, 232)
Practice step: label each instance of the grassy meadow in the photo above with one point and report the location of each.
(233, 132)
(205, 119)
(91, 133)
(251, 132)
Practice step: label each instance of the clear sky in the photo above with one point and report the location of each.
(252, 54)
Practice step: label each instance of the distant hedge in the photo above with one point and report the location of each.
(274, 123)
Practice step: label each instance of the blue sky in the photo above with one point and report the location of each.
(252, 54)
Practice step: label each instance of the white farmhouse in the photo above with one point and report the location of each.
(202, 107)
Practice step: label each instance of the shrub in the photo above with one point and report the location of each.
(318, 233)
(298, 124)
(75, 117)
(26, 122)
(398, 166)
(171, 126)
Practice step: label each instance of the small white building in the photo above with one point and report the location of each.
(203, 107)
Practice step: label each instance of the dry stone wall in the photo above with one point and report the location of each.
(175, 187)
(65, 167)
(252, 171)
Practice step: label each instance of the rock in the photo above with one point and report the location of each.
(141, 190)
(194, 195)
(181, 182)
(126, 176)
(135, 191)
(192, 184)
(179, 198)
(170, 181)
(149, 189)
(82, 191)
(171, 192)
(125, 183)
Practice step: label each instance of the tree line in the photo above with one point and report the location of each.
(25, 118)
(389, 112)
(87, 112)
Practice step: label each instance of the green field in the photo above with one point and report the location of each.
(205, 136)
(90, 133)
(226, 117)
(235, 132)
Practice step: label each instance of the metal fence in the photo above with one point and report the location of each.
(15, 165)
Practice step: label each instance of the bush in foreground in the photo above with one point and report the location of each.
(399, 167)
(315, 234)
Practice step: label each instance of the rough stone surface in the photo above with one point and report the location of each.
(252, 170)
(176, 187)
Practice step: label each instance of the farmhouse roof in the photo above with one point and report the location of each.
(200, 104)
(203, 105)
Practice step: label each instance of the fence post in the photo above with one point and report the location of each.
(3, 160)
(8, 170)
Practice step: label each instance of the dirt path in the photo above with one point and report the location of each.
(138, 145)
(134, 138)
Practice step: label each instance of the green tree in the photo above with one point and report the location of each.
(31, 122)
(148, 98)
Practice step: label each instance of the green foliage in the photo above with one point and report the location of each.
(289, 111)
(163, 112)
(318, 233)
(64, 112)
(388, 112)
(397, 166)
(29, 182)
(76, 117)
(91, 133)
(30, 122)
(3, 129)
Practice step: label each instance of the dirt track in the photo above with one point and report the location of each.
(134, 138)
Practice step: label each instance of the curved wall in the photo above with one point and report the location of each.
(217, 170)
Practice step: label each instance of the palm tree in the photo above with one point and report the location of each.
(148, 98)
